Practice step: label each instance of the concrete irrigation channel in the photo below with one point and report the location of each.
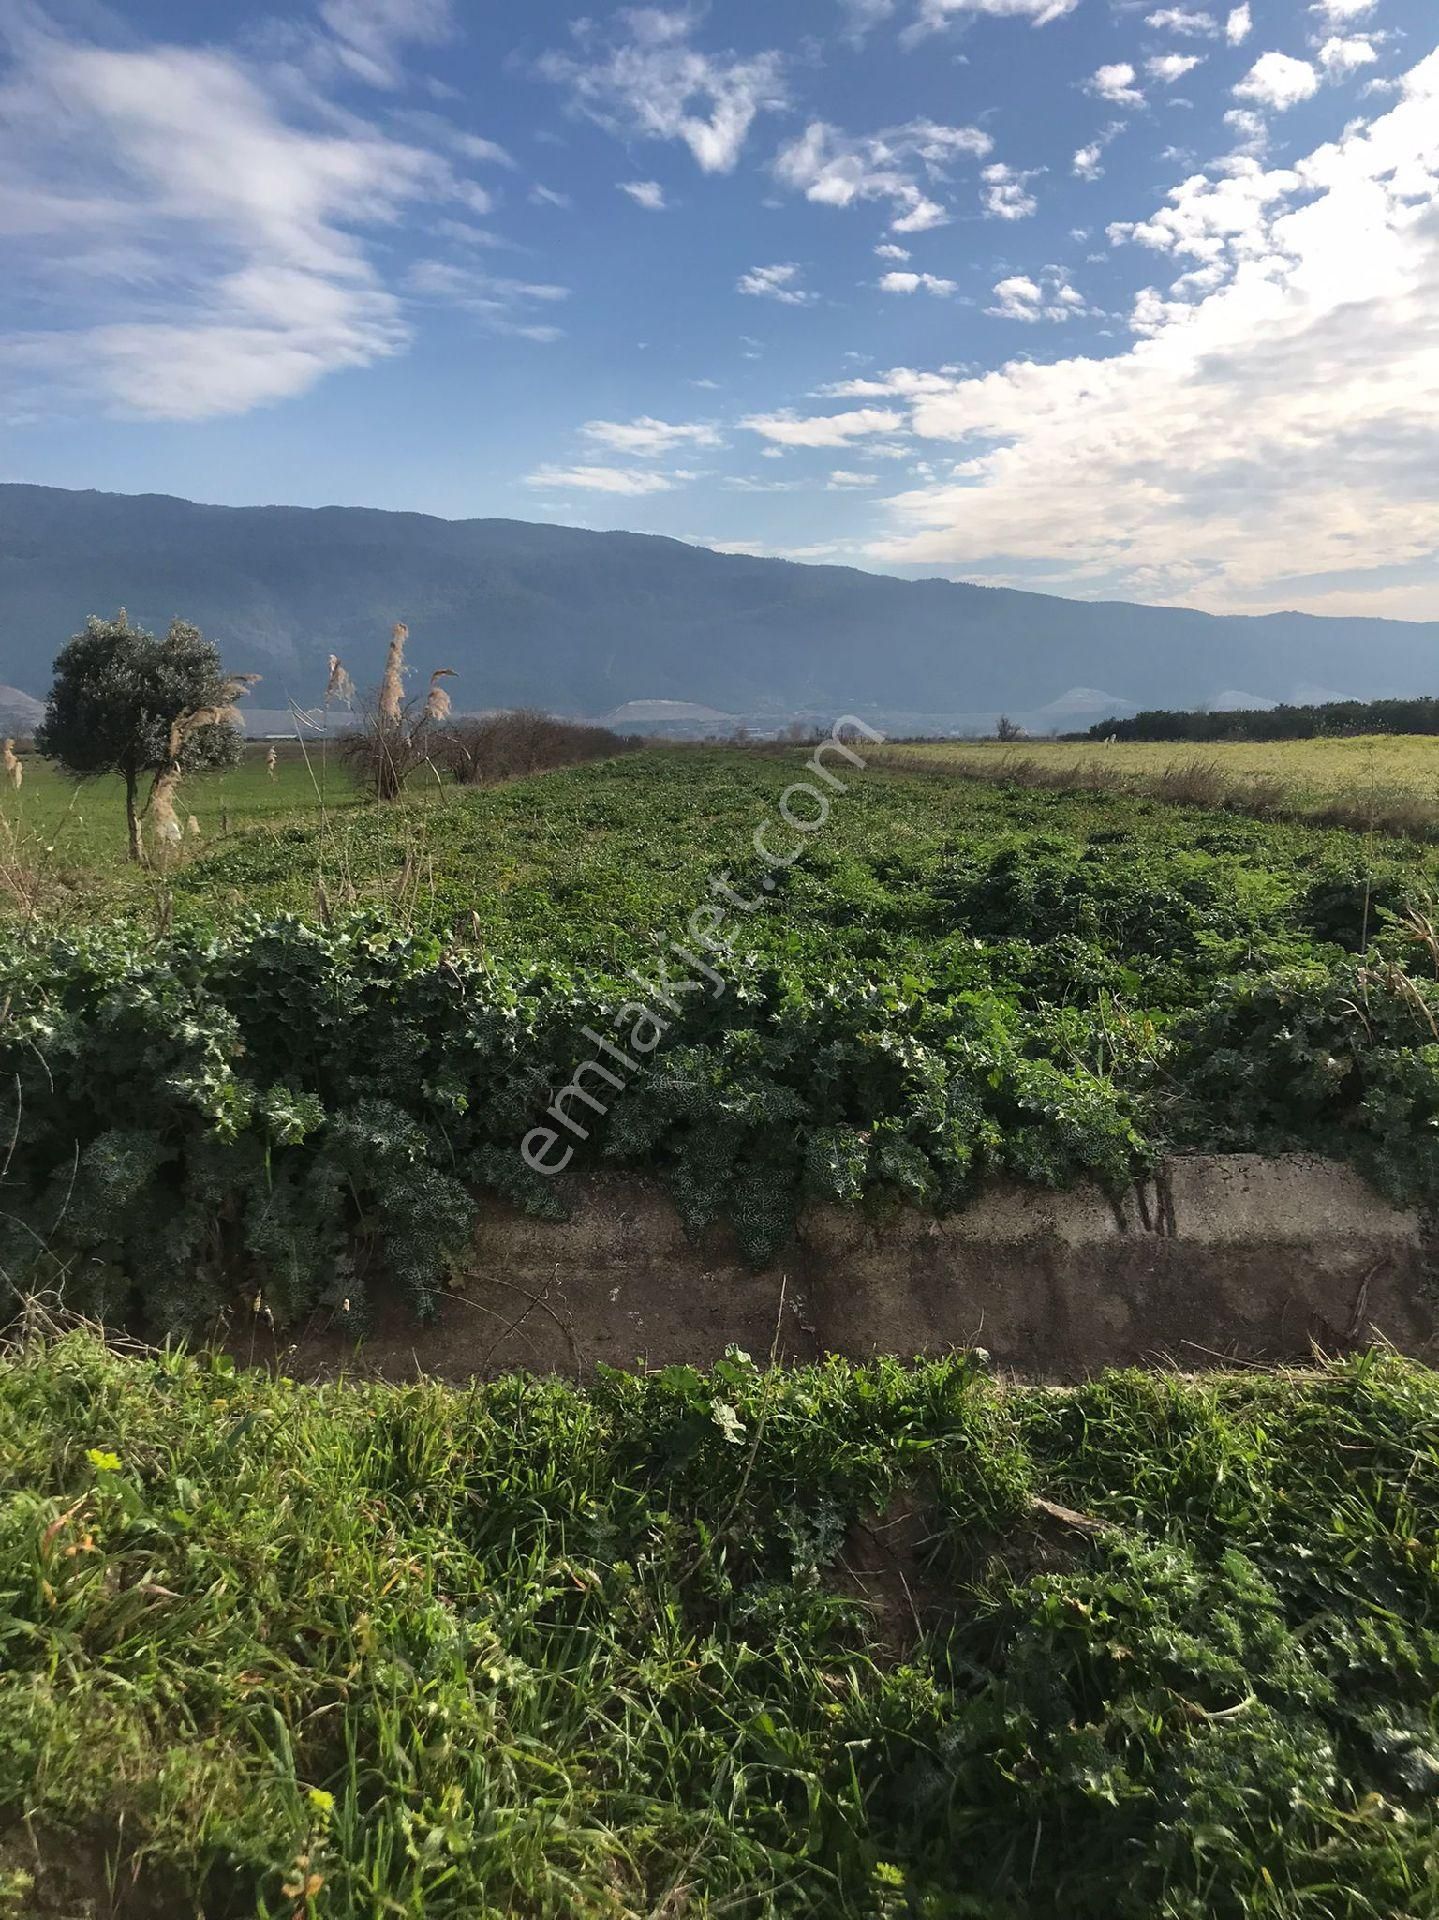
(1217, 1260)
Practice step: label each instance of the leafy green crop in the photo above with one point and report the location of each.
(950, 985)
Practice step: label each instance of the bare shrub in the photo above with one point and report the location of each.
(1391, 811)
(480, 749)
(1190, 783)
(1264, 795)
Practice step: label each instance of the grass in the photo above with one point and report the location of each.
(869, 1641)
(1385, 782)
(84, 820)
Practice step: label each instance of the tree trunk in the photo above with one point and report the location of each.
(132, 817)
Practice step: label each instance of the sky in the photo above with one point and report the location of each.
(1112, 300)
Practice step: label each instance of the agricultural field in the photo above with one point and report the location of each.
(847, 1643)
(1383, 782)
(886, 1642)
(348, 1023)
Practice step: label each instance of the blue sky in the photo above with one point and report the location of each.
(1114, 300)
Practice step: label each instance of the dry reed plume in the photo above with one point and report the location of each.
(396, 735)
(339, 687)
(392, 685)
(160, 807)
(437, 701)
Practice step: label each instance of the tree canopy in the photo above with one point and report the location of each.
(127, 702)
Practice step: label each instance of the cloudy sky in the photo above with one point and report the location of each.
(1110, 299)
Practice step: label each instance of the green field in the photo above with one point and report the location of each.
(69, 835)
(874, 1642)
(884, 1642)
(1384, 782)
(350, 1022)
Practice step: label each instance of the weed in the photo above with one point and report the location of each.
(355, 1650)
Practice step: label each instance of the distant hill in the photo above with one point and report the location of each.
(587, 623)
(19, 712)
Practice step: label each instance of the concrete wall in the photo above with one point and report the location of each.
(1221, 1258)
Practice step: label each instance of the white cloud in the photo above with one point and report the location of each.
(647, 437)
(369, 33)
(906, 383)
(936, 13)
(1278, 80)
(435, 130)
(1338, 13)
(541, 196)
(841, 478)
(193, 226)
(504, 305)
(789, 429)
(1115, 83)
(1251, 136)
(648, 194)
(1213, 220)
(1182, 20)
(1340, 56)
(1022, 298)
(1250, 448)
(467, 233)
(1169, 67)
(901, 282)
(886, 250)
(1087, 160)
(776, 283)
(832, 168)
(648, 79)
(1239, 24)
(625, 480)
(861, 15)
(1006, 194)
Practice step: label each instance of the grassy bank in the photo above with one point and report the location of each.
(1383, 783)
(847, 1641)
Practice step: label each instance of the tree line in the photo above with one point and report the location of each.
(1332, 719)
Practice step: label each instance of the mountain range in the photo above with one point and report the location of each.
(597, 623)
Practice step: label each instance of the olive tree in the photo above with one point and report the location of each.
(126, 702)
